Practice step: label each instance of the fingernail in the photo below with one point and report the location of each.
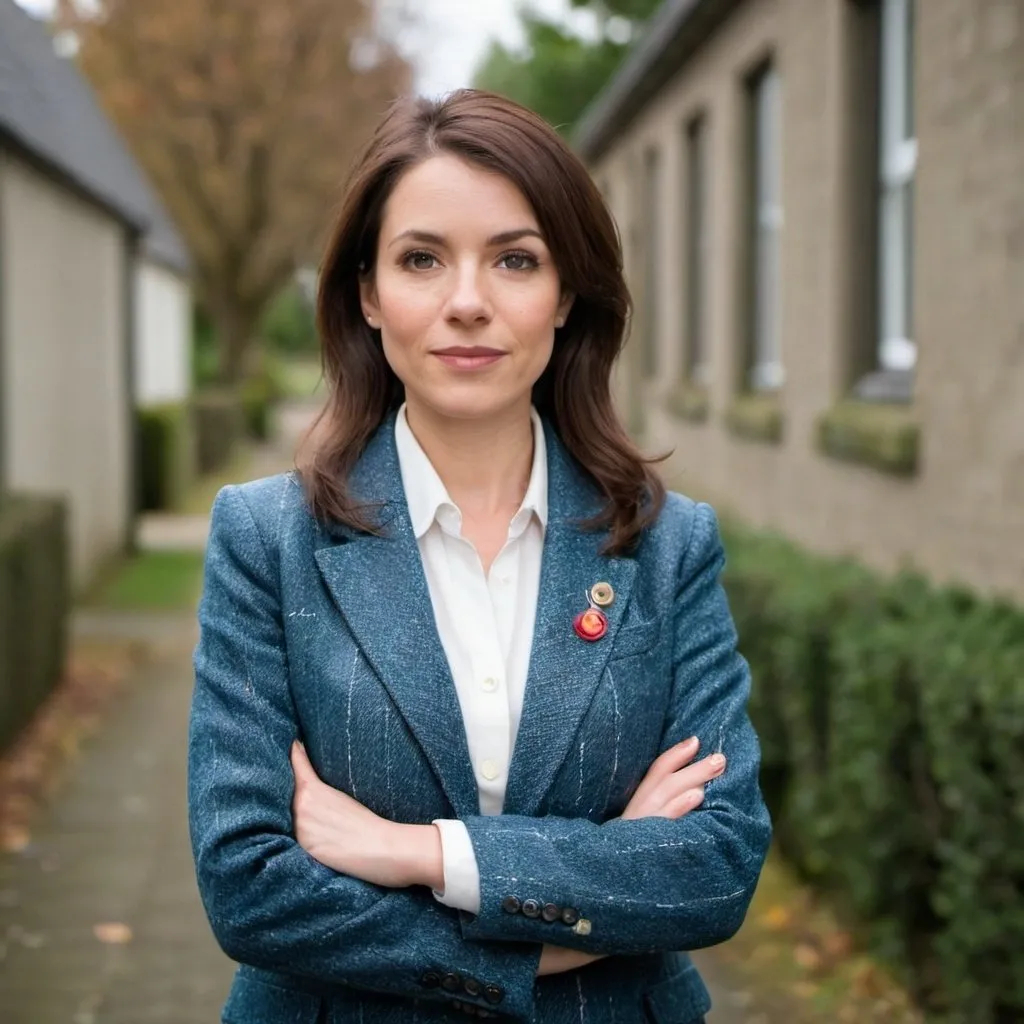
(717, 761)
(691, 743)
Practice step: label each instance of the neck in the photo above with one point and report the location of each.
(484, 464)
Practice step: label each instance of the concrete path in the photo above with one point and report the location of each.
(113, 851)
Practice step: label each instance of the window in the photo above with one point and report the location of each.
(898, 165)
(651, 241)
(766, 306)
(697, 256)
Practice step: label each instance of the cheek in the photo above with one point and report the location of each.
(405, 309)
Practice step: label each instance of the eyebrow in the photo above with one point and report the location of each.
(431, 238)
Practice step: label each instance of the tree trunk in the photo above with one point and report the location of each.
(235, 327)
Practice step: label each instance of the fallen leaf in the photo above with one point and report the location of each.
(777, 918)
(838, 944)
(114, 933)
(807, 957)
(14, 839)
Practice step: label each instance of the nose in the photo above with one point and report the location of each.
(468, 302)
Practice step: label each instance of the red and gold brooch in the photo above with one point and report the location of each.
(592, 624)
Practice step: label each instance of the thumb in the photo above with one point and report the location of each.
(300, 760)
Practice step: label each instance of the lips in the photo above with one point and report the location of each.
(473, 351)
(468, 357)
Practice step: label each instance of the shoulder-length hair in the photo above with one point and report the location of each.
(574, 392)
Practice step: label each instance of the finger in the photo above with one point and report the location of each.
(674, 758)
(702, 771)
(300, 762)
(682, 804)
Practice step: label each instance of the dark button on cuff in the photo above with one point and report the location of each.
(431, 979)
(511, 905)
(570, 915)
(551, 912)
(451, 983)
(473, 987)
(531, 908)
(494, 994)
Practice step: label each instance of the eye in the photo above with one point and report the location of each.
(419, 260)
(518, 261)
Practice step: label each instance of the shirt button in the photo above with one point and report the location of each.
(489, 770)
(490, 684)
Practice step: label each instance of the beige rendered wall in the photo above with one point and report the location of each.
(65, 429)
(962, 516)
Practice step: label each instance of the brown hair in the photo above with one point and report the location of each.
(574, 392)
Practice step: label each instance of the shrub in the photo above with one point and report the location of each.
(219, 427)
(34, 606)
(891, 715)
(289, 324)
(166, 455)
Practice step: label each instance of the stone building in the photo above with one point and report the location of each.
(822, 208)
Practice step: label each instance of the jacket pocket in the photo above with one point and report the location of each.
(255, 1001)
(681, 998)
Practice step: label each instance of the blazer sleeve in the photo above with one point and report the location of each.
(269, 903)
(648, 884)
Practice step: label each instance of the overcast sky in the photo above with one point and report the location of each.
(453, 35)
(448, 37)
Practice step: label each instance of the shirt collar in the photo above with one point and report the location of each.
(427, 495)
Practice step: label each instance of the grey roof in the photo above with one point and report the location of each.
(677, 29)
(49, 109)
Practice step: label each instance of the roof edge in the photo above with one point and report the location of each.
(670, 38)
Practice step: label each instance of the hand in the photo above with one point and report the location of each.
(558, 960)
(342, 834)
(673, 786)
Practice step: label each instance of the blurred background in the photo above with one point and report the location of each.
(821, 205)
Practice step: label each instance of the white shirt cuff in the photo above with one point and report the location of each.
(461, 874)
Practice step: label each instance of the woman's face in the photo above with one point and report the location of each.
(464, 292)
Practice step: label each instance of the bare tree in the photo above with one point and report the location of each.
(246, 115)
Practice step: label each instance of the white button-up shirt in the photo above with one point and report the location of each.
(485, 623)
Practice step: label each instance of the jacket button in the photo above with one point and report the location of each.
(431, 979)
(494, 994)
(473, 987)
(570, 915)
(551, 912)
(511, 905)
(451, 983)
(531, 908)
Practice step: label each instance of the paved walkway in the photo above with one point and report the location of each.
(113, 850)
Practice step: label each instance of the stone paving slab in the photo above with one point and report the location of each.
(113, 847)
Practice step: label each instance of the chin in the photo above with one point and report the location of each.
(473, 402)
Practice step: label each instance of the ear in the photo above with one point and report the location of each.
(568, 298)
(368, 300)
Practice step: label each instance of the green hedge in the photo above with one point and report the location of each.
(167, 454)
(219, 424)
(34, 605)
(891, 716)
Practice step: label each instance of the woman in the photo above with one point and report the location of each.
(453, 674)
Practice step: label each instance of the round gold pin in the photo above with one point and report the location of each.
(602, 594)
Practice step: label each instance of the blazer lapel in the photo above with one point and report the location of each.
(564, 670)
(380, 589)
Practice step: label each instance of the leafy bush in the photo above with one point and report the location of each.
(166, 455)
(34, 606)
(289, 324)
(219, 422)
(891, 715)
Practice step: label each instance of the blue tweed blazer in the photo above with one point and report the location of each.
(328, 635)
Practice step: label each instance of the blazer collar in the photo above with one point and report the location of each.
(380, 589)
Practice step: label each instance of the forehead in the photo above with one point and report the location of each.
(446, 193)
